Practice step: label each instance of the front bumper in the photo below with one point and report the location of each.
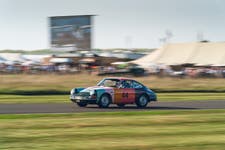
(86, 99)
(152, 97)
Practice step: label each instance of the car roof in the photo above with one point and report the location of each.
(119, 78)
(124, 78)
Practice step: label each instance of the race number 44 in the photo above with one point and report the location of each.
(125, 95)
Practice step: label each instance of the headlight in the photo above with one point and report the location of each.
(72, 92)
(92, 92)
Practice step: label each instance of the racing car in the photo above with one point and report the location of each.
(114, 90)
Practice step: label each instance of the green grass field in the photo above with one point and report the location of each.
(65, 98)
(176, 129)
(195, 129)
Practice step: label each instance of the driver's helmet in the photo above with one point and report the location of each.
(125, 84)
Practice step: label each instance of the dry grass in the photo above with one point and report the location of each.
(66, 82)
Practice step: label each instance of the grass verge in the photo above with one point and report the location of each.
(62, 84)
(65, 98)
(196, 129)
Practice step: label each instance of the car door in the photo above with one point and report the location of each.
(124, 94)
(117, 95)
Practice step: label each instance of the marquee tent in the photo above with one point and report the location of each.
(198, 53)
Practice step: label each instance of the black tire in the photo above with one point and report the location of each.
(121, 105)
(104, 101)
(82, 104)
(142, 101)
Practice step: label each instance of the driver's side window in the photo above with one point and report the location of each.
(126, 84)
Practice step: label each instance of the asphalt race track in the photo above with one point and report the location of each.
(72, 108)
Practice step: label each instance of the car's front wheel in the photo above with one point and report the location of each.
(104, 101)
(82, 104)
(142, 101)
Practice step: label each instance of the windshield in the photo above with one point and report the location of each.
(109, 83)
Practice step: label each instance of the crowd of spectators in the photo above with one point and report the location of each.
(32, 69)
(192, 72)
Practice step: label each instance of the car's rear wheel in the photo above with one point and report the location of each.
(104, 101)
(142, 101)
(82, 104)
(121, 105)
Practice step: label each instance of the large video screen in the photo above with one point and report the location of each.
(70, 33)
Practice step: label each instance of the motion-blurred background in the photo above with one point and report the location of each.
(174, 47)
(138, 38)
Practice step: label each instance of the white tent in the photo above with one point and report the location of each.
(13, 57)
(2, 60)
(35, 58)
(199, 53)
(30, 63)
(61, 60)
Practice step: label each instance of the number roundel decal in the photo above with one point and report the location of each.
(125, 95)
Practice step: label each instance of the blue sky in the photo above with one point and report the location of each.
(118, 24)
